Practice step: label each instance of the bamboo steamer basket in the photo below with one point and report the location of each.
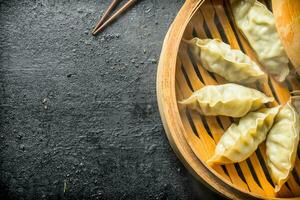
(192, 136)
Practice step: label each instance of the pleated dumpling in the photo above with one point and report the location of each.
(282, 144)
(218, 57)
(229, 100)
(242, 139)
(257, 24)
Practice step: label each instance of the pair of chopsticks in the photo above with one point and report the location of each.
(102, 23)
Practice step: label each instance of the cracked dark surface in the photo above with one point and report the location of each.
(81, 111)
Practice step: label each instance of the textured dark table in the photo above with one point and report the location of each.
(79, 118)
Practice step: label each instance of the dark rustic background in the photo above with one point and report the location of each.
(79, 118)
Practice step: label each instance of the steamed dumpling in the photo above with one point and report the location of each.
(282, 144)
(242, 139)
(217, 56)
(257, 24)
(229, 99)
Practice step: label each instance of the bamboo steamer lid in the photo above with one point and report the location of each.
(287, 15)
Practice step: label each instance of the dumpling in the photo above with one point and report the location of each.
(257, 24)
(282, 144)
(229, 99)
(242, 139)
(217, 56)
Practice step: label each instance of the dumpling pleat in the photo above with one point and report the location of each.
(257, 24)
(233, 65)
(229, 100)
(282, 144)
(242, 139)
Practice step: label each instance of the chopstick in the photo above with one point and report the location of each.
(106, 13)
(114, 16)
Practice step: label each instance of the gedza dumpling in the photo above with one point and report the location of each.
(242, 139)
(282, 144)
(235, 66)
(257, 24)
(229, 99)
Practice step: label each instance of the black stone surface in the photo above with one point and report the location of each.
(79, 118)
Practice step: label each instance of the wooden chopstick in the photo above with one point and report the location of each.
(106, 13)
(114, 16)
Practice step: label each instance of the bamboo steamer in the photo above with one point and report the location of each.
(193, 137)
